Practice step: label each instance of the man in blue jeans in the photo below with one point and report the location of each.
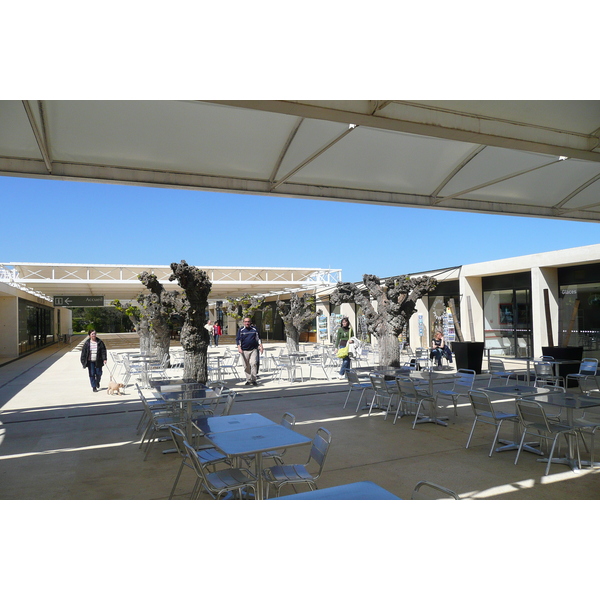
(93, 356)
(249, 343)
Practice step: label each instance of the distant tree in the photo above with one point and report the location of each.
(395, 304)
(159, 307)
(194, 337)
(139, 318)
(297, 314)
(240, 308)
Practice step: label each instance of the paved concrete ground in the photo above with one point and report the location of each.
(59, 440)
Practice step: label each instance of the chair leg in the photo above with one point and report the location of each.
(497, 434)
(176, 480)
(471, 434)
(347, 397)
(360, 400)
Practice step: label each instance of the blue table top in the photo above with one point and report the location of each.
(361, 490)
(232, 422)
(256, 439)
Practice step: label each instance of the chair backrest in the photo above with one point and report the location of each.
(532, 412)
(352, 377)
(543, 369)
(406, 386)
(495, 365)
(433, 492)
(588, 366)
(481, 403)
(320, 448)
(179, 440)
(229, 404)
(379, 385)
(190, 454)
(465, 378)
(288, 420)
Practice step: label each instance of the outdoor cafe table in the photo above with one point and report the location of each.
(361, 490)
(555, 363)
(232, 422)
(254, 441)
(188, 397)
(571, 402)
(512, 392)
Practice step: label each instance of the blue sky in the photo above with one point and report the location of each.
(72, 222)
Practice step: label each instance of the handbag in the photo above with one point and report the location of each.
(343, 352)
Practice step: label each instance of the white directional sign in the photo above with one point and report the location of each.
(78, 301)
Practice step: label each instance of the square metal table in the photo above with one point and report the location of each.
(361, 490)
(188, 397)
(255, 441)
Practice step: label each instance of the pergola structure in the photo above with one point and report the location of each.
(120, 282)
(525, 158)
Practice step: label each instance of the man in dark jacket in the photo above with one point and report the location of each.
(249, 343)
(93, 356)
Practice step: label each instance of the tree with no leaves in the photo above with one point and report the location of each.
(296, 316)
(194, 337)
(395, 300)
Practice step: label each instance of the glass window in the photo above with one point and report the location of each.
(507, 322)
(579, 315)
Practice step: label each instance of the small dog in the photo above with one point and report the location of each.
(113, 387)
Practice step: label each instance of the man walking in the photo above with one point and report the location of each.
(249, 343)
(93, 356)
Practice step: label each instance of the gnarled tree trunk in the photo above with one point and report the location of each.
(194, 337)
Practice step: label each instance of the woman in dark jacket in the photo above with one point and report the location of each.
(93, 356)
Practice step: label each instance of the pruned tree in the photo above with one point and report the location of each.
(194, 337)
(240, 308)
(159, 307)
(395, 304)
(139, 317)
(297, 315)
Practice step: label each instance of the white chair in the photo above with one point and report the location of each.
(412, 395)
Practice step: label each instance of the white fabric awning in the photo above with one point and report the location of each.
(525, 158)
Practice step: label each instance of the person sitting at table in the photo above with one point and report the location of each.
(437, 348)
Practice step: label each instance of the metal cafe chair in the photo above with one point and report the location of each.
(545, 375)
(218, 483)
(463, 383)
(208, 456)
(411, 395)
(534, 421)
(496, 369)
(382, 391)
(356, 385)
(281, 475)
(433, 491)
(587, 369)
(485, 413)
